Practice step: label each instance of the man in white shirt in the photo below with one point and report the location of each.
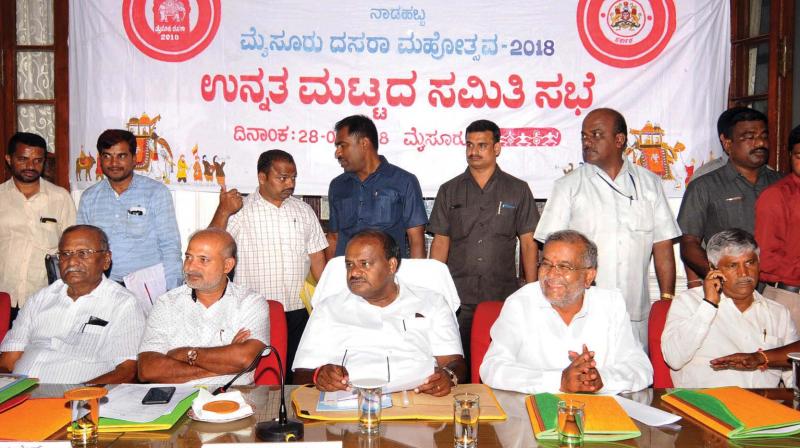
(279, 239)
(209, 329)
(622, 207)
(561, 334)
(83, 328)
(381, 328)
(726, 315)
(33, 213)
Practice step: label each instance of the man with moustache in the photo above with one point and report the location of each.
(726, 197)
(778, 235)
(622, 207)
(372, 193)
(279, 239)
(380, 328)
(476, 220)
(136, 212)
(209, 329)
(33, 213)
(83, 328)
(576, 338)
(726, 315)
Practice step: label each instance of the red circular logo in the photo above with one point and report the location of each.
(172, 30)
(625, 33)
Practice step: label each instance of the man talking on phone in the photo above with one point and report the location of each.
(725, 315)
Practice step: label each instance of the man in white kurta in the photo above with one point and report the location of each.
(79, 329)
(705, 324)
(378, 321)
(544, 326)
(623, 209)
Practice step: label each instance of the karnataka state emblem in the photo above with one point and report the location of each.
(649, 150)
(171, 30)
(625, 33)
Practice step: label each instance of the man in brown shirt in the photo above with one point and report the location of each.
(476, 220)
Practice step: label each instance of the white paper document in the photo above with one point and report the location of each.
(125, 402)
(147, 284)
(646, 414)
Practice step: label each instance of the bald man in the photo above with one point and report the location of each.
(209, 329)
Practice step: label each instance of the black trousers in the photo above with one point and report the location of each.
(465, 314)
(295, 324)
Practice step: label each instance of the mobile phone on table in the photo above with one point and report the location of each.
(158, 395)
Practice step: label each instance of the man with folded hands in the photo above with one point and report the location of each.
(209, 329)
(726, 315)
(380, 329)
(561, 333)
(84, 328)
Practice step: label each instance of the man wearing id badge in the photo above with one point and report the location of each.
(476, 220)
(136, 212)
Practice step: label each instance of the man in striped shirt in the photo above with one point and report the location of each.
(279, 239)
(84, 328)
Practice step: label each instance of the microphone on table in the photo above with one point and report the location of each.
(282, 429)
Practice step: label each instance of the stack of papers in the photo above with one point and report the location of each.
(343, 400)
(124, 410)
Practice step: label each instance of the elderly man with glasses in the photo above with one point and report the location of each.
(561, 333)
(83, 328)
(726, 315)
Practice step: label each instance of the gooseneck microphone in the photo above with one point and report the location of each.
(282, 429)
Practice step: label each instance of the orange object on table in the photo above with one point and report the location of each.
(35, 419)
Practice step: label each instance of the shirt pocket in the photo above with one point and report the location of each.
(462, 221)
(387, 208)
(642, 219)
(727, 212)
(84, 342)
(346, 212)
(505, 222)
(136, 225)
(46, 235)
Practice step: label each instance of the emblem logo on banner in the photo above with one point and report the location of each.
(625, 33)
(172, 30)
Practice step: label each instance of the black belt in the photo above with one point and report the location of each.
(784, 286)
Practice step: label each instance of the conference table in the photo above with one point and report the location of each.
(514, 432)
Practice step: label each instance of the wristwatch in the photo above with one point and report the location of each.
(191, 356)
(453, 377)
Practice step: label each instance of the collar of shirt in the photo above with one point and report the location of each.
(758, 300)
(263, 202)
(10, 186)
(131, 187)
(730, 172)
(384, 168)
(194, 293)
(492, 180)
(545, 304)
(627, 168)
(97, 293)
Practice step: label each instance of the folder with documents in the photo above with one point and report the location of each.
(736, 413)
(605, 419)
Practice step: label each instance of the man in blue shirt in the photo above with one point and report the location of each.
(372, 193)
(135, 211)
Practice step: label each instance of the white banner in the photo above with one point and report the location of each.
(207, 87)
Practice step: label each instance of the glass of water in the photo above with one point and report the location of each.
(571, 419)
(466, 412)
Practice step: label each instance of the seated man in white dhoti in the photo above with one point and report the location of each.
(380, 329)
